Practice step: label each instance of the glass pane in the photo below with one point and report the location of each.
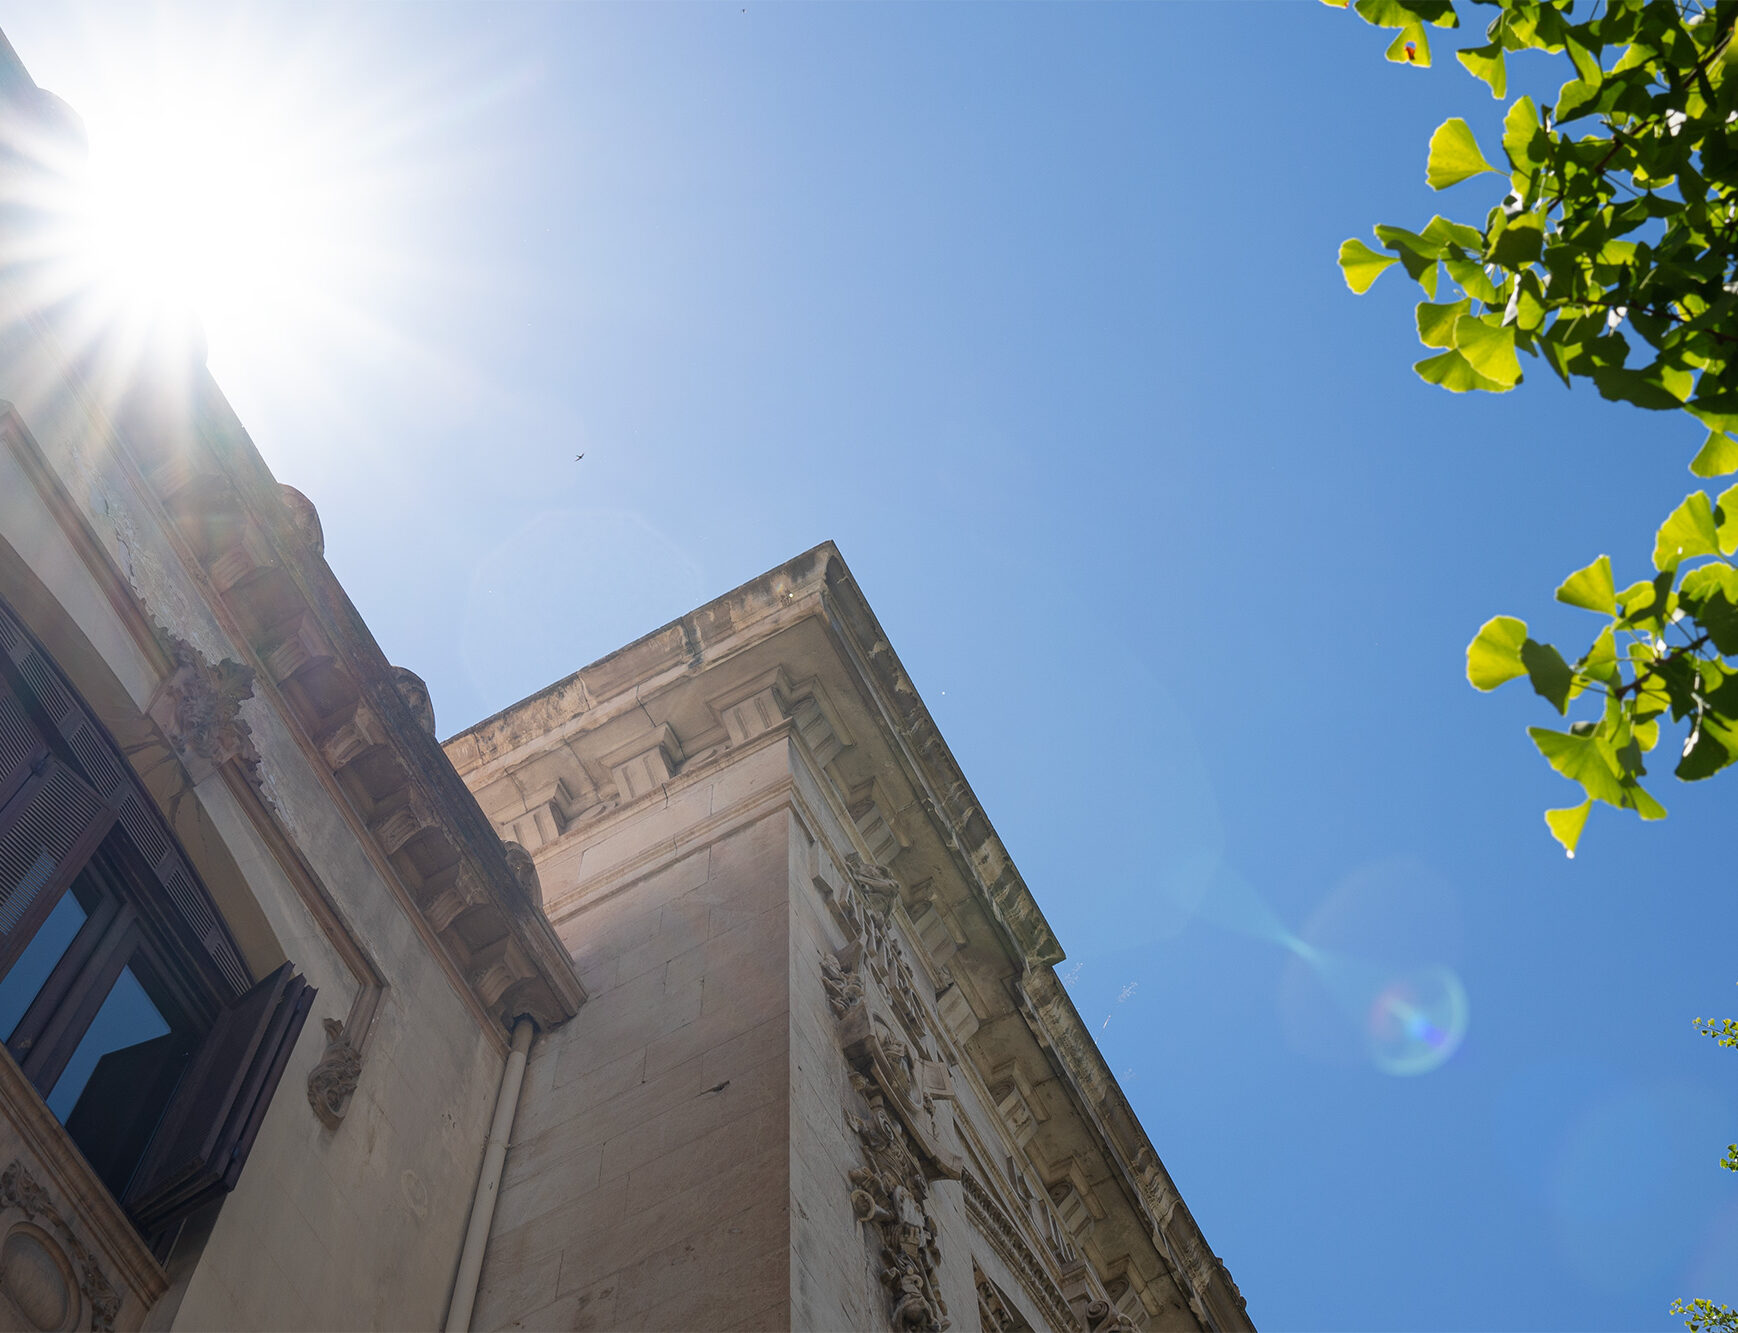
(19, 986)
(127, 1018)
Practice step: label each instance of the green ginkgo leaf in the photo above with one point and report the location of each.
(1717, 457)
(1494, 655)
(1454, 155)
(1489, 350)
(1486, 62)
(1566, 825)
(1584, 759)
(1552, 679)
(1524, 138)
(1726, 522)
(1452, 371)
(1688, 532)
(1362, 265)
(1436, 322)
(1410, 47)
(1591, 588)
(1600, 663)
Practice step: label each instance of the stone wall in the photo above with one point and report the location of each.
(143, 542)
(358, 1226)
(947, 1146)
(648, 1182)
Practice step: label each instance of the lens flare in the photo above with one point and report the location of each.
(1415, 1022)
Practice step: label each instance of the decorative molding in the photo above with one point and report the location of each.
(1200, 1273)
(771, 700)
(938, 929)
(549, 810)
(892, 1195)
(198, 710)
(1070, 1206)
(820, 730)
(413, 689)
(957, 1014)
(646, 764)
(906, 1130)
(1020, 1108)
(1075, 1200)
(995, 1226)
(304, 518)
(273, 597)
(844, 985)
(294, 646)
(868, 809)
(525, 872)
(19, 1189)
(996, 1314)
(751, 714)
(333, 1079)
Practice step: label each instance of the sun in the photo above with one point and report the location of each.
(214, 186)
(212, 205)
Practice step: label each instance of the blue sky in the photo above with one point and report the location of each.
(1033, 309)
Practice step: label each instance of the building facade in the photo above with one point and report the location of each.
(693, 992)
(826, 1077)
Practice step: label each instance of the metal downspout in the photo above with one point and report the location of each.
(489, 1180)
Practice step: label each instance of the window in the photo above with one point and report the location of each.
(123, 998)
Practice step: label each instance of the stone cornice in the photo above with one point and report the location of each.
(1022, 1259)
(622, 705)
(262, 556)
(256, 547)
(1052, 1015)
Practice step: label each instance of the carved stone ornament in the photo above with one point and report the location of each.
(993, 1313)
(304, 518)
(334, 1078)
(844, 985)
(1008, 1240)
(198, 710)
(876, 883)
(1103, 1317)
(865, 911)
(891, 1194)
(414, 691)
(19, 1189)
(1161, 1199)
(905, 1129)
(524, 871)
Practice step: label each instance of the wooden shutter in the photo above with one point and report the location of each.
(56, 712)
(51, 820)
(210, 1125)
(21, 744)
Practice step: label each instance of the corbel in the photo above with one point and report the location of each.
(359, 732)
(645, 764)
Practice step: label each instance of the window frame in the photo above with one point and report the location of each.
(151, 913)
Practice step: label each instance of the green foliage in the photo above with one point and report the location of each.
(1705, 1315)
(1607, 252)
(1699, 1314)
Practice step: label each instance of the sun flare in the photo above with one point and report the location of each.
(222, 184)
(209, 206)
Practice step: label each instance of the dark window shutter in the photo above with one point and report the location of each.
(21, 744)
(210, 1125)
(47, 832)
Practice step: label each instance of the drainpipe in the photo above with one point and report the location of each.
(489, 1181)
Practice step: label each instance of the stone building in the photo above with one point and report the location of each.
(694, 992)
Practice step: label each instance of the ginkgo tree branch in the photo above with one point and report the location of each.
(1619, 231)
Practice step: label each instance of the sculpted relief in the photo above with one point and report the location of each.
(49, 1279)
(903, 1120)
(334, 1078)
